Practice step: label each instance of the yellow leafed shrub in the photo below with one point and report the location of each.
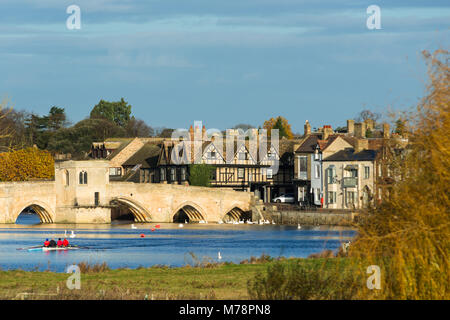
(26, 164)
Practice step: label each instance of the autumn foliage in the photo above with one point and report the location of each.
(281, 124)
(408, 236)
(26, 164)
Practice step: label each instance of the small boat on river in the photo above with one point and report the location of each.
(43, 248)
(53, 248)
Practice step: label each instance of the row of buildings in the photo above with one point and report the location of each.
(337, 170)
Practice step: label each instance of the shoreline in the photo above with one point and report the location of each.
(210, 281)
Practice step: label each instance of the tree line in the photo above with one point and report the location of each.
(54, 132)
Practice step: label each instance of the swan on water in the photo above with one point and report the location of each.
(219, 256)
(180, 225)
(299, 226)
(133, 226)
(73, 235)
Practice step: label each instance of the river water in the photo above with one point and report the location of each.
(120, 246)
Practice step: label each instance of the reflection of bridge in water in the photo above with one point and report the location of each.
(82, 193)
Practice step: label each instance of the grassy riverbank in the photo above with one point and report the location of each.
(222, 281)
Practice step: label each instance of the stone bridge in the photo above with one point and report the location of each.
(82, 193)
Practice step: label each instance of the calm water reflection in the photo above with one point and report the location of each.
(120, 246)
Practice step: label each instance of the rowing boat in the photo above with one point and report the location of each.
(53, 248)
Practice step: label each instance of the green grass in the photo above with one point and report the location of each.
(223, 281)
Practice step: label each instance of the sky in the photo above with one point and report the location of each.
(220, 62)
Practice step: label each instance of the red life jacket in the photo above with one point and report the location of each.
(46, 243)
(59, 243)
(65, 243)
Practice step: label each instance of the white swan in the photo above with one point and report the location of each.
(73, 235)
(219, 256)
(273, 222)
(180, 225)
(299, 226)
(133, 226)
(65, 233)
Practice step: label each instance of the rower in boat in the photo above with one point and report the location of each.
(65, 242)
(52, 243)
(59, 243)
(46, 243)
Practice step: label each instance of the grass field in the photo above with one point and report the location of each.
(223, 281)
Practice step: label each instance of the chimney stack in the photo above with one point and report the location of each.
(360, 130)
(361, 144)
(307, 128)
(370, 124)
(386, 131)
(350, 127)
(191, 133)
(326, 132)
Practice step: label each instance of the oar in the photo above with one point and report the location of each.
(81, 247)
(29, 247)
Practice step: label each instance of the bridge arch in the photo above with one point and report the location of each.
(235, 213)
(138, 210)
(42, 209)
(189, 211)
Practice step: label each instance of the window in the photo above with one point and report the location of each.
(240, 172)
(353, 173)
(115, 171)
(269, 173)
(317, 195)
(212, 155)
(317, 171)
(172, 174)
(242, 156)
(366, 172)
(350, 197)
(301, 193)
(83, 177)
(213, 175)
(162, 174)
(66, 177)
(183, 174)
(331, 197)
(331, 175)
(97, 198)
(302, 167)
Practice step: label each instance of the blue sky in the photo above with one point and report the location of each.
(223, 62)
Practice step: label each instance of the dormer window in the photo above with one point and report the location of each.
(212, 155)
(316, 153)
(243, 156)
